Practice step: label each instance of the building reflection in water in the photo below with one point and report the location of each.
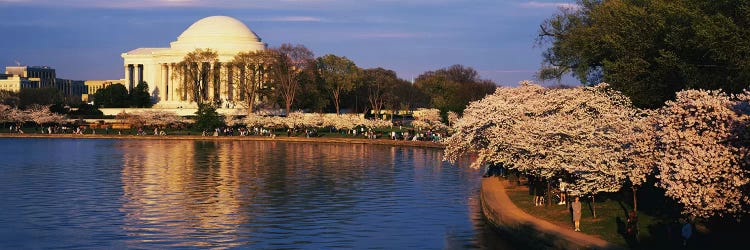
(238, 193)
(182, 193)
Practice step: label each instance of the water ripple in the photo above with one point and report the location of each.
(68, 193)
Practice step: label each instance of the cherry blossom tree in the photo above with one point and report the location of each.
(17, 116)
(4, 109)
(41, 114)
(585, 132)
(642, 154)
(428, 119)
(703, 136)
(314, 120)
(377, 123)
(294, 119)
(254, 120)
(452, 118)
(154, 118)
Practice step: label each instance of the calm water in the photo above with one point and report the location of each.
(66, 193)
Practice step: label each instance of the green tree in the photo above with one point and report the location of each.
(40, 96)
(407, 97)
(112, 96)
(314, 97)
(650, 49)
(139, 96)
(452, 88)
(87, 110)
(207, 118)
(198, 69)
(9, 98)
(339, 75)
(380, 87)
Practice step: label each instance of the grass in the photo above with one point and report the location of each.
(609, 225)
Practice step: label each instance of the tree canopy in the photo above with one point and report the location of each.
(112, 96)
(291, 63)
(649, 50)
(452, 88)
(339, 75)
(139, 96)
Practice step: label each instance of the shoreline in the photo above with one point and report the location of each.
(422, 144)
(505, 216)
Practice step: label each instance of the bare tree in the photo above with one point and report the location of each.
(291, 61)
(252, 75)
(197, 70)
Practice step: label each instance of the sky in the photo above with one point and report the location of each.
(83, 39)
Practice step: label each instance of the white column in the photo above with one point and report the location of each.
(172, 86)
(128, 76)
(163, 84)
(230, 84)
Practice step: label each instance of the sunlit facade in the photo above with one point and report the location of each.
(156, 66)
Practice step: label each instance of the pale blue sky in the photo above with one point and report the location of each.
(83, 39)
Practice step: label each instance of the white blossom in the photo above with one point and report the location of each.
(703, 136)
(586, 132)
(428, 119)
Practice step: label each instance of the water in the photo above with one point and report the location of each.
(78, 193)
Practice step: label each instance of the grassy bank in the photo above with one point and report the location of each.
(659, 220)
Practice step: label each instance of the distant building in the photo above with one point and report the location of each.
(15, 83)
(71, 89)
(23, 77)
(45, 74)
(92, 86)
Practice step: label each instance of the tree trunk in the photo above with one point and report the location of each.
(593, 205)
(336, 101)
(549, 194)
(635, 199)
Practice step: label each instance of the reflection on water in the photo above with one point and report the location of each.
(156, 194)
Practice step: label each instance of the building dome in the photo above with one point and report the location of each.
(220, 33)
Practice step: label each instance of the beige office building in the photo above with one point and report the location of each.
(14, 83)
(155, 66)
(45, 75)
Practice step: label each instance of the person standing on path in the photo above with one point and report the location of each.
(577, 214)
(687, 231)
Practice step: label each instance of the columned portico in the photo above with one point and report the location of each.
(156, 66)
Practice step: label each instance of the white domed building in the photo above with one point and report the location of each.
(225, 35)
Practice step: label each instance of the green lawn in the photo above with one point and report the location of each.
(609, 225)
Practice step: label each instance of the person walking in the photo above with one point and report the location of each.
(562, 191)
(687, 231)
(577, 214)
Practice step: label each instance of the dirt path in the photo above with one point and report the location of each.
(501, 210)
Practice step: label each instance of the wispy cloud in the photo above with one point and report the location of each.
(141, 4)
(261, 4)
(375, 35)
(144, 4)
(288, 19)
(535, 4)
